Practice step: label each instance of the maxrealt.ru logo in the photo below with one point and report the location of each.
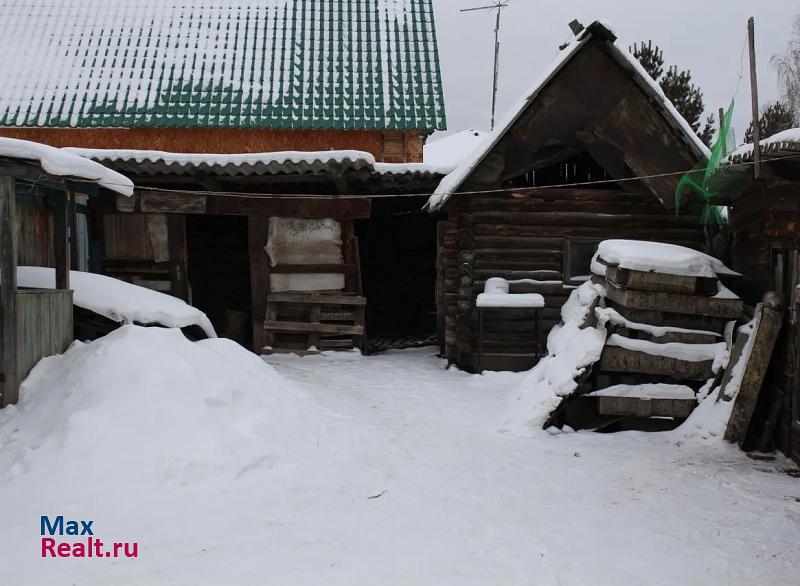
(86, 546)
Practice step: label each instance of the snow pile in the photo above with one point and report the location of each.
(671, 259)
(61, 163)
(571, 348)
(710, 418)
(451, 150)
(496, 294)
(147, 405)
(120, 301)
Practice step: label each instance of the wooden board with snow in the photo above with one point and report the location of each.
(120, 301)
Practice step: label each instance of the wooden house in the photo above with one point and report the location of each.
(593, 151)
(37, 187)
(283, 251)
(765, 248)
(300, 102)
(232, 76)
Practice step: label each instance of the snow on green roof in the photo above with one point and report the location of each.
(289, 64)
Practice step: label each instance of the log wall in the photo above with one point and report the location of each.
(765, 248)
(523, 234)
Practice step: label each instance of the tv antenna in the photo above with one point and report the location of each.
(498, 5)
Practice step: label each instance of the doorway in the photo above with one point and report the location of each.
(219, 273)
(397, 245)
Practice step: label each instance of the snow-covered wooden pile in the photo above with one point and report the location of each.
(668, 325)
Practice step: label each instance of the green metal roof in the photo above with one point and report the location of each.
(283, 64)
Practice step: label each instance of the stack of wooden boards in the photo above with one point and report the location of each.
(310, 322)
(668, 337)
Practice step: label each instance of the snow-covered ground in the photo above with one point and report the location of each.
(393, 471)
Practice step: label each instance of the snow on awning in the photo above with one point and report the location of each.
(241, 164)
(120, 301)
(448, 152)
(62, 163)
(786, 142)
(451, 183)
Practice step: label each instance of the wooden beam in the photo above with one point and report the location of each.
(751, 41)
(178, 256)
(347, 269)
(259, 276)
(73, 231)
(8, 292)
(61, 239)
(306, 327)
(324, 299)
(290, 206)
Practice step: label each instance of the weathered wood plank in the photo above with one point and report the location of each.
(638, 407)
(259, 277)
(305, 327)
(647, 281)
(8, 288)
(769, 318)
(675, 302)
(617, 359)
(322, 298)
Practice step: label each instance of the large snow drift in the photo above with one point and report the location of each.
(120, 301)
(660, 257)
(148, 405)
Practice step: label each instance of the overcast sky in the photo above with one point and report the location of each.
(704, 36)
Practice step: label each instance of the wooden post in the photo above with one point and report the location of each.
(8, 293)
(61, 239)
(751, 37)
(259, 276)
(73, 231)
(721, 118)
(178, 256)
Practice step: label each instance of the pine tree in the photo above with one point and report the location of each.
(774, 118)
(677, 86)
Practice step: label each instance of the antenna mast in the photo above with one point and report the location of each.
(498, 5)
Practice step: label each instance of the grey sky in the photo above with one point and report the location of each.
(705, 36)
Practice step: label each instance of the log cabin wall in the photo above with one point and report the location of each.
(765, 248)
(525, 233)
(386, 146)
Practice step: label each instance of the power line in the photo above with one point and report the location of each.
(244, 194)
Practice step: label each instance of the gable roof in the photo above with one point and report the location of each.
(282, 64)
(602, 34)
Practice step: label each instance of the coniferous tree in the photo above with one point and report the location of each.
(774, 118)
(677, 86)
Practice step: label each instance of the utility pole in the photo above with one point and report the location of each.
(751, 41)
(499, 5)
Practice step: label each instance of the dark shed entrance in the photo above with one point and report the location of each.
(219, 273)
(398, 264)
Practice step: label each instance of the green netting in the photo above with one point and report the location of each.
(711, 181)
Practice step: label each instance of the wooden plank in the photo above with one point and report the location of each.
(8, 290)
(647, 281)
(616, 359)
(290, 207)
(313, 338)
(259, 277)
(648, 407)
(322, 298)
(73, 231)
(675, 302)
(158, 233)
(178, 256)
(347, 269)
(61, 239)
(289, 326)
(171, 202)
(769, 318)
